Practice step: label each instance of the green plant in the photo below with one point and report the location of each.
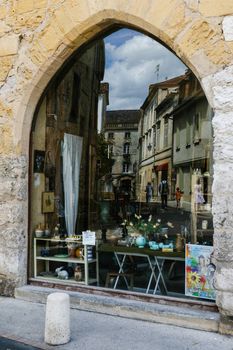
(143, 226)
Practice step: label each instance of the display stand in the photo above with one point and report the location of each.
(200, 212)
(46, 264)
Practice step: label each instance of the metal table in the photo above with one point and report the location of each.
(154, 258)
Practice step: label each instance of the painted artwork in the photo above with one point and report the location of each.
(199, 271)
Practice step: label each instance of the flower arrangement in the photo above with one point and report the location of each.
(145, 227)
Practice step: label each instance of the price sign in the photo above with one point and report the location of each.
(88, 238)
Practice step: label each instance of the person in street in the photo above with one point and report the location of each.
(163, 191)
(149, 192)
(199, 198)
(178, 197)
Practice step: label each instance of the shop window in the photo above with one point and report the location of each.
(165, 197)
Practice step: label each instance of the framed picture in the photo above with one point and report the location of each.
(199, 271)
(39, 160)
(48, 202)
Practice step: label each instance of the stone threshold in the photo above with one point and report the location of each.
(182, 316)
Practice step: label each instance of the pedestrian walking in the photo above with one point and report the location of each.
(149, 192)
(163, 191)
(178, 197)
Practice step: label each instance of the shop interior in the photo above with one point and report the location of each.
(140, 246)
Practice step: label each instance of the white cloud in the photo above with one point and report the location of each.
(131, 69)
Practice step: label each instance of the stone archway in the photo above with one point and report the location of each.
(37, 40)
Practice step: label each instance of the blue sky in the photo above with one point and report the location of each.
(131, 66)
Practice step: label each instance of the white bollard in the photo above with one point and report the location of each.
(57, 319)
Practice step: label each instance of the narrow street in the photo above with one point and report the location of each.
(24, 321)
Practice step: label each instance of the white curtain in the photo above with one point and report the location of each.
(72, 153)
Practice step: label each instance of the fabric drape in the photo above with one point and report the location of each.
(72, 153)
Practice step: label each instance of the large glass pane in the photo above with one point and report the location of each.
(142, 181)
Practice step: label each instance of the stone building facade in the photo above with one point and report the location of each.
(121, 133)
(37, 37)
(156, 128)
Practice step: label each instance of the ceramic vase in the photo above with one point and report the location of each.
(140, 241)
(179, 243)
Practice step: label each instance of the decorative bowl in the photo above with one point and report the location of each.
(39, 233)
(112, 240)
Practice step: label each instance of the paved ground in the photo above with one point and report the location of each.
(9, 344)
(24, 321)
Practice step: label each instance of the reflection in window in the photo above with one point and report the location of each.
(168, 188)
(158, 135)
(126, 148)
(165, 141)
(110, 135)
(125, 167)
(177, 135)
(196, 128)
(188, 133)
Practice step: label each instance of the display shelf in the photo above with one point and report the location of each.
(48, 243)
(68, 260)
(69, 281)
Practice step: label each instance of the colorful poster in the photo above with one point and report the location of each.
(199, 271)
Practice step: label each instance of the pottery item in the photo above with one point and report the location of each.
(140, 241)
(47, 231)
(79, 253)
(204, 224)
(78, 274)
(39, 232)
(179, 243)
(153, 245)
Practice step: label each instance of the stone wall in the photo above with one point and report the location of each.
(36, 37)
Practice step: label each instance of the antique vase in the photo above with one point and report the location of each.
(140, 241)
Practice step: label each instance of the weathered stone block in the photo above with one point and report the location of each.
(226, 325)
(224, 279)
(13, 167)
(11, 212)
(6, 65)
(9, 45)
(23, 6)
(14, 263)
(13, 238)
(224, 301)
(227, 26)
(7, 285)
(219, 88)
(219, 8)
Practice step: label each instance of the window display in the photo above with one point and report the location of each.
(147, 204)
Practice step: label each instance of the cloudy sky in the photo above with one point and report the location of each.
(132, 60)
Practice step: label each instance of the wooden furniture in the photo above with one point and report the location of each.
(44, 265)
(124, 275)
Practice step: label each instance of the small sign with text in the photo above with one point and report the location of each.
(88, 238)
